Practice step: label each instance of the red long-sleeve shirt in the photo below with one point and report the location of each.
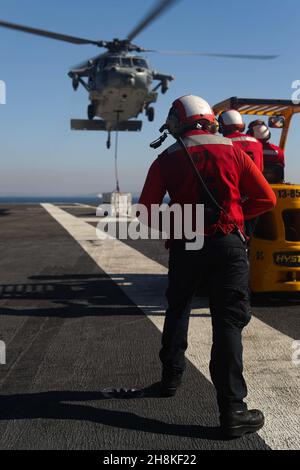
(250, 146)
(273, 154)
(227, 170)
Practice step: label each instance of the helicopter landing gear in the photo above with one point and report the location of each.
(91, 112)
(108, 143)
(150, 113)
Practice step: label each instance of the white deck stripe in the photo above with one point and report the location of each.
(274, 383)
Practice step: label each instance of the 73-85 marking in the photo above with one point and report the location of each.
(291, 193)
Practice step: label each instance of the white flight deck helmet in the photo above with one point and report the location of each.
(231, 121)
(259, 130)
(190, 112)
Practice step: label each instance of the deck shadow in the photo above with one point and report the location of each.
(72, 296)
(57, 406)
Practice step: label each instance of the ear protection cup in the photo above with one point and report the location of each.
(259, 130)
(208, 126)
(173, 121)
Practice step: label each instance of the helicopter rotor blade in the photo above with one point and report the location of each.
(159, 8)
(86, 64)
(51, 35)
(209, 54)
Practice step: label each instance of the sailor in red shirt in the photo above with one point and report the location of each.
(232, 126)
(222, 263)
(273, 155)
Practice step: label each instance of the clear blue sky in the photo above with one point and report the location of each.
(41, 156)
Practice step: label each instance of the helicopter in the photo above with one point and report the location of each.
(120, 82)
(119, 87)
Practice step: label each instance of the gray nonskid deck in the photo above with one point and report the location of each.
(72, 331)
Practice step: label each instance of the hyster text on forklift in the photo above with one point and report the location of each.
(275, 246)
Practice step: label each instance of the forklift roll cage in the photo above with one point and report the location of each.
(263, 107)
(275, 245)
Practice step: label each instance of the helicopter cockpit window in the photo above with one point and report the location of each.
(111, 61)
(126, 62)
(141, 63)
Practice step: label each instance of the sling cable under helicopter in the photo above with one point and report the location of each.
(119, 78)
(116, 159)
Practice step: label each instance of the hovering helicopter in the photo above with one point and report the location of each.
(119, 82)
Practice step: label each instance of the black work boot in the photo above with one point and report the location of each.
(170, 381)
(238, 423)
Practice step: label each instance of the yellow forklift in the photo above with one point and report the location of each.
(275, 246)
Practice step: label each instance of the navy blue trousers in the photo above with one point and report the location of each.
(222, 265)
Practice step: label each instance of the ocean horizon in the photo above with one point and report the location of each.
(53, 199)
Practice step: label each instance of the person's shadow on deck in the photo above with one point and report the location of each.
(54, 405)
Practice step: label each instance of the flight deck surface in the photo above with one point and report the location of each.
(81, 315)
